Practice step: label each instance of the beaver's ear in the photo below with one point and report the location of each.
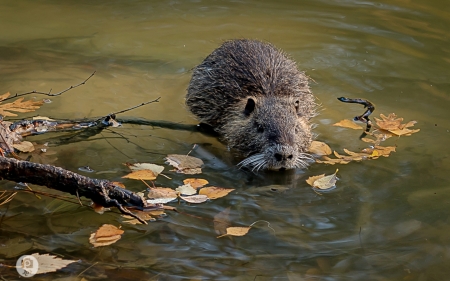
(249, 107)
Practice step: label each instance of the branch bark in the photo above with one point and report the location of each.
(102, 192)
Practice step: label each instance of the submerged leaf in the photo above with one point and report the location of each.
(214, 192)
(24, 146)
(222, 221)
(161, 195)
(185, 164)
(346, 123)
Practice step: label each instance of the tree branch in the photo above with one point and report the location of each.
(102, 192)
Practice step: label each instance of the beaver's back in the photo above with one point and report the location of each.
(239, 69)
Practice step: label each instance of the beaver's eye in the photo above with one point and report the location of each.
(259, 128)
(297, 105)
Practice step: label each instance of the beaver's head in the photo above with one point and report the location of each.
(273, 132)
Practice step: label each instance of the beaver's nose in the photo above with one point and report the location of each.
(280, 157)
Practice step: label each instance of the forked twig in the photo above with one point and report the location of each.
(49, 92)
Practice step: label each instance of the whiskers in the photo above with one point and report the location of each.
(302, 160)
(260, 161)
(257, 161)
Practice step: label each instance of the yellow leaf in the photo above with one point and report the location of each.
(107, 234)
(312, 179)
(326, 182)
(24, 146)
(4, 96)
(214, 192)
(319, 148)
(141, 175)
(156, 169)
(195, 183)
(236, 231)
(19, 106)
(346, 123)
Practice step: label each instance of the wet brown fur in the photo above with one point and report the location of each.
(255, 97)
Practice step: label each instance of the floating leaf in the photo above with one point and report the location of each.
(312, 179)
(394, 125)
(214, 192)
(326, 182)
(24, 146)
(49, 263)
(161, 195)
(185, 164)
(332, 161)
(119, 184)
(186, 189)
(141, 175)
(319, 148)
(107, 234)
(18, 106)
(346, 123)
(195, 183)
(196, 199)
(236, 231)
(156, 169)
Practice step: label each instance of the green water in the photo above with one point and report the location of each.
(386, 220)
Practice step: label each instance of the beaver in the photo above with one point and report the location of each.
(253, 95)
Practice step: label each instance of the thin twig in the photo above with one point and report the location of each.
(131, 108)
(49, 93)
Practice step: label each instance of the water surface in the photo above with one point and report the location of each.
(386, 220)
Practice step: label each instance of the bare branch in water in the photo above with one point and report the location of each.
(49, 92)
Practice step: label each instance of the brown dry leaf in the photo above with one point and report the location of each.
(49, 263)
(236, 231)
(143, 215)
(186, 189)
(195, 183)
(332, 161)
(394, 125)
(379, 151)
(4, 96)
(141, 175)
(119, 184)
(24, 146)
(326, 182)
(107, 234)
(185, 164)
(222, 221)
(156, 169)
(319, 148)
(98, 208)
(346, 123)
(196, 199)
(214, 192)
(18, 106)
(161, 195)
